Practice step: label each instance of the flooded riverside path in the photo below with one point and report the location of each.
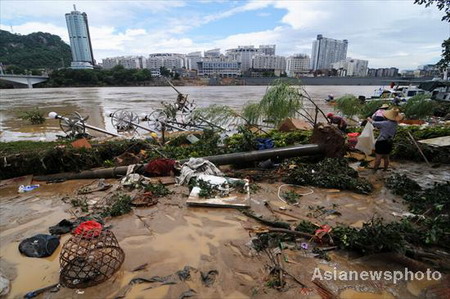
(170, 236)
(98, 102)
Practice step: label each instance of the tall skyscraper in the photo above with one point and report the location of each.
(326, 51)
(80, 40)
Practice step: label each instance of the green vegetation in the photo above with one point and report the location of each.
(329, 173)
(418, 107)
(117, 76)
(34, 116)
(119, 204)
(432, 204)
(444, 63)
(158, 190)
(400, 184)
(291, 197)
(30, 157)
(280, 101)
(349, 105)
(405, 149)
(37, 50)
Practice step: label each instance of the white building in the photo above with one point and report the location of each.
(80, 40)
(213, 53)
(219, 68)
(267, 49)
(128, 62)
(351, 67)
(243, 54)
(167, 60)
(263, 62)
(297, 64)
(326, 51)
(192, 59)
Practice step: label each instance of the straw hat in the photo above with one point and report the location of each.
(393, 114)
(384, 106)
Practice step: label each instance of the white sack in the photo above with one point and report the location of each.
(366, 141)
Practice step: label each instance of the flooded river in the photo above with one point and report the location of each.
(98, 102)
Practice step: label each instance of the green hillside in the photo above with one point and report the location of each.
(35, 50)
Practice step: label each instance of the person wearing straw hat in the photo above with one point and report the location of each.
(379, 114)
(384, 143)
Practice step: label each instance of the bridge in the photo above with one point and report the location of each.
(28, 80)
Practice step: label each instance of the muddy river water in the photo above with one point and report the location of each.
(98, 102)
(170, 235)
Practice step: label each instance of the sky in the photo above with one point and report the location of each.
(387, 33)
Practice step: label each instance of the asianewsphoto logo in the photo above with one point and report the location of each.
(393, 276)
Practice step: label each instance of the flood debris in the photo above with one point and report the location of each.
(39, 246)
(4, 285)
(63, 227)
(54, 288)
(194, 167)
(27, 188)
(215, 191)
(329, 173)
(95, 186)
(90, 258)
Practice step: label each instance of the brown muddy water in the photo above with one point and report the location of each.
(170, 235)
(98, 102)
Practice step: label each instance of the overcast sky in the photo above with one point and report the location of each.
(387, 33)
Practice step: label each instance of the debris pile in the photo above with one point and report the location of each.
(328, 173)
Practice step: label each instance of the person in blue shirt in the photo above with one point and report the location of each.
(384, 143)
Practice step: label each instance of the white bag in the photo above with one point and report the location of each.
(366, 141)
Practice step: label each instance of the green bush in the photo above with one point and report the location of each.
(418, 107)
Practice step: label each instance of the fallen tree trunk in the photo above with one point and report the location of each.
(114, 172)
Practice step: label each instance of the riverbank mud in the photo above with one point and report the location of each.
(170, 235)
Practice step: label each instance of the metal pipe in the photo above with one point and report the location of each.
(101, 130)
(282, 152)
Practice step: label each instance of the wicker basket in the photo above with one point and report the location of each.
(89, 259)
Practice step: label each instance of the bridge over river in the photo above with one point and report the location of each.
(27, 80)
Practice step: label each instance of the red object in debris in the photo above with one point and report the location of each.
(88, 229)
(352, 139)
(160, 167)
(322, 231)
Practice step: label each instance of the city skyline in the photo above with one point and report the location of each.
(387, 33)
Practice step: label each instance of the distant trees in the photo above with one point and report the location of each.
(117, 76)
(444, 63)
(33, 51)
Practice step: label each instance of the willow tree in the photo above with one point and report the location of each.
(349, 105)
(280, 101)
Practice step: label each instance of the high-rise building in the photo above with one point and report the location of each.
(192, 59)
(351, 67)
(243, 54)
(271, 63)
(267, 49)
(128, 62)
(80, 40)
(297, 65)
(168, 60)
(326, 51)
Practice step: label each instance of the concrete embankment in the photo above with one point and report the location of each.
(376, 81)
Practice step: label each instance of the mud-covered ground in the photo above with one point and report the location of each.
(170, 235)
